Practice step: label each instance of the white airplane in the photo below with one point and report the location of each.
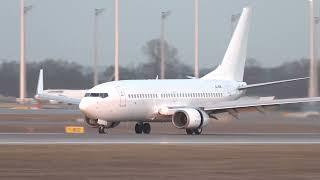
(187, 103)
(55, 96)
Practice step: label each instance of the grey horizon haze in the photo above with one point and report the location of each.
(63, 29)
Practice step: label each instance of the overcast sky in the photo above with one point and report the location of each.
(64, 29)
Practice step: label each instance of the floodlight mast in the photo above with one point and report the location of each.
(233, 22)
(116, 41)
(164, 15)
(23, 11)
(97, 13)
(196, 38)
(313, 82)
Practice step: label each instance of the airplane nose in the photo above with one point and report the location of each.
(84, 107)
(87, 107)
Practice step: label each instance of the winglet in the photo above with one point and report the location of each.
(40, 82)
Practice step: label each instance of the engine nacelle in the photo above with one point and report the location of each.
(190, 119)
(108, 124)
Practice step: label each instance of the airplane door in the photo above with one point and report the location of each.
(122, 96)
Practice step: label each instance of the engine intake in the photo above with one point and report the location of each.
(190, 119)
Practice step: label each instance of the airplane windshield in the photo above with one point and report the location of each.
(102, 95)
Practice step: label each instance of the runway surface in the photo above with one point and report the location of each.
(221, 138)
(34, 145)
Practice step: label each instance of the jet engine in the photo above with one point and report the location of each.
(190, 119)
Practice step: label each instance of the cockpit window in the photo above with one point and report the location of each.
(94, 94)
(102, 95)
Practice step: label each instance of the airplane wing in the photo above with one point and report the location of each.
(270, 83)
(243, 104)
(233, 107)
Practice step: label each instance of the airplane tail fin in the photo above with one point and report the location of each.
(40, 82)
(233, 63)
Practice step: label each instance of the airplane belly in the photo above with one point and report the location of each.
(133, 111)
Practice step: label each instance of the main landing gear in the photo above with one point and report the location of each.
(142, 128)
(197, 131)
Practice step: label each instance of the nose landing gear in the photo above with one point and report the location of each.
(102, 130)
(142, 128)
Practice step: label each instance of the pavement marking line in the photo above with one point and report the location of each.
(157, 143)
(30, 133)
(261, 134)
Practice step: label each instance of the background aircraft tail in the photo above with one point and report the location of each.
(40, 82)
(233, 63)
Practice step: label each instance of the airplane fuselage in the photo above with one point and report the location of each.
(141, 100)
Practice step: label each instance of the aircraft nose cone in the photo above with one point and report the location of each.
(88, 107)
(84, 107)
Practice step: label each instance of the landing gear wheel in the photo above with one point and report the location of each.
(198, 131)
(146, 128)
(189, 131)
(139, 128)
(102, 130)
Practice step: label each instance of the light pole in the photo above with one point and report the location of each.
(116, 41)
(23, 11)
(313, 82)
(233, 21)
(97, 12)
(164, 15)
(196, 38)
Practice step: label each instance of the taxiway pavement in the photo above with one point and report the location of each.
(219, 138)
